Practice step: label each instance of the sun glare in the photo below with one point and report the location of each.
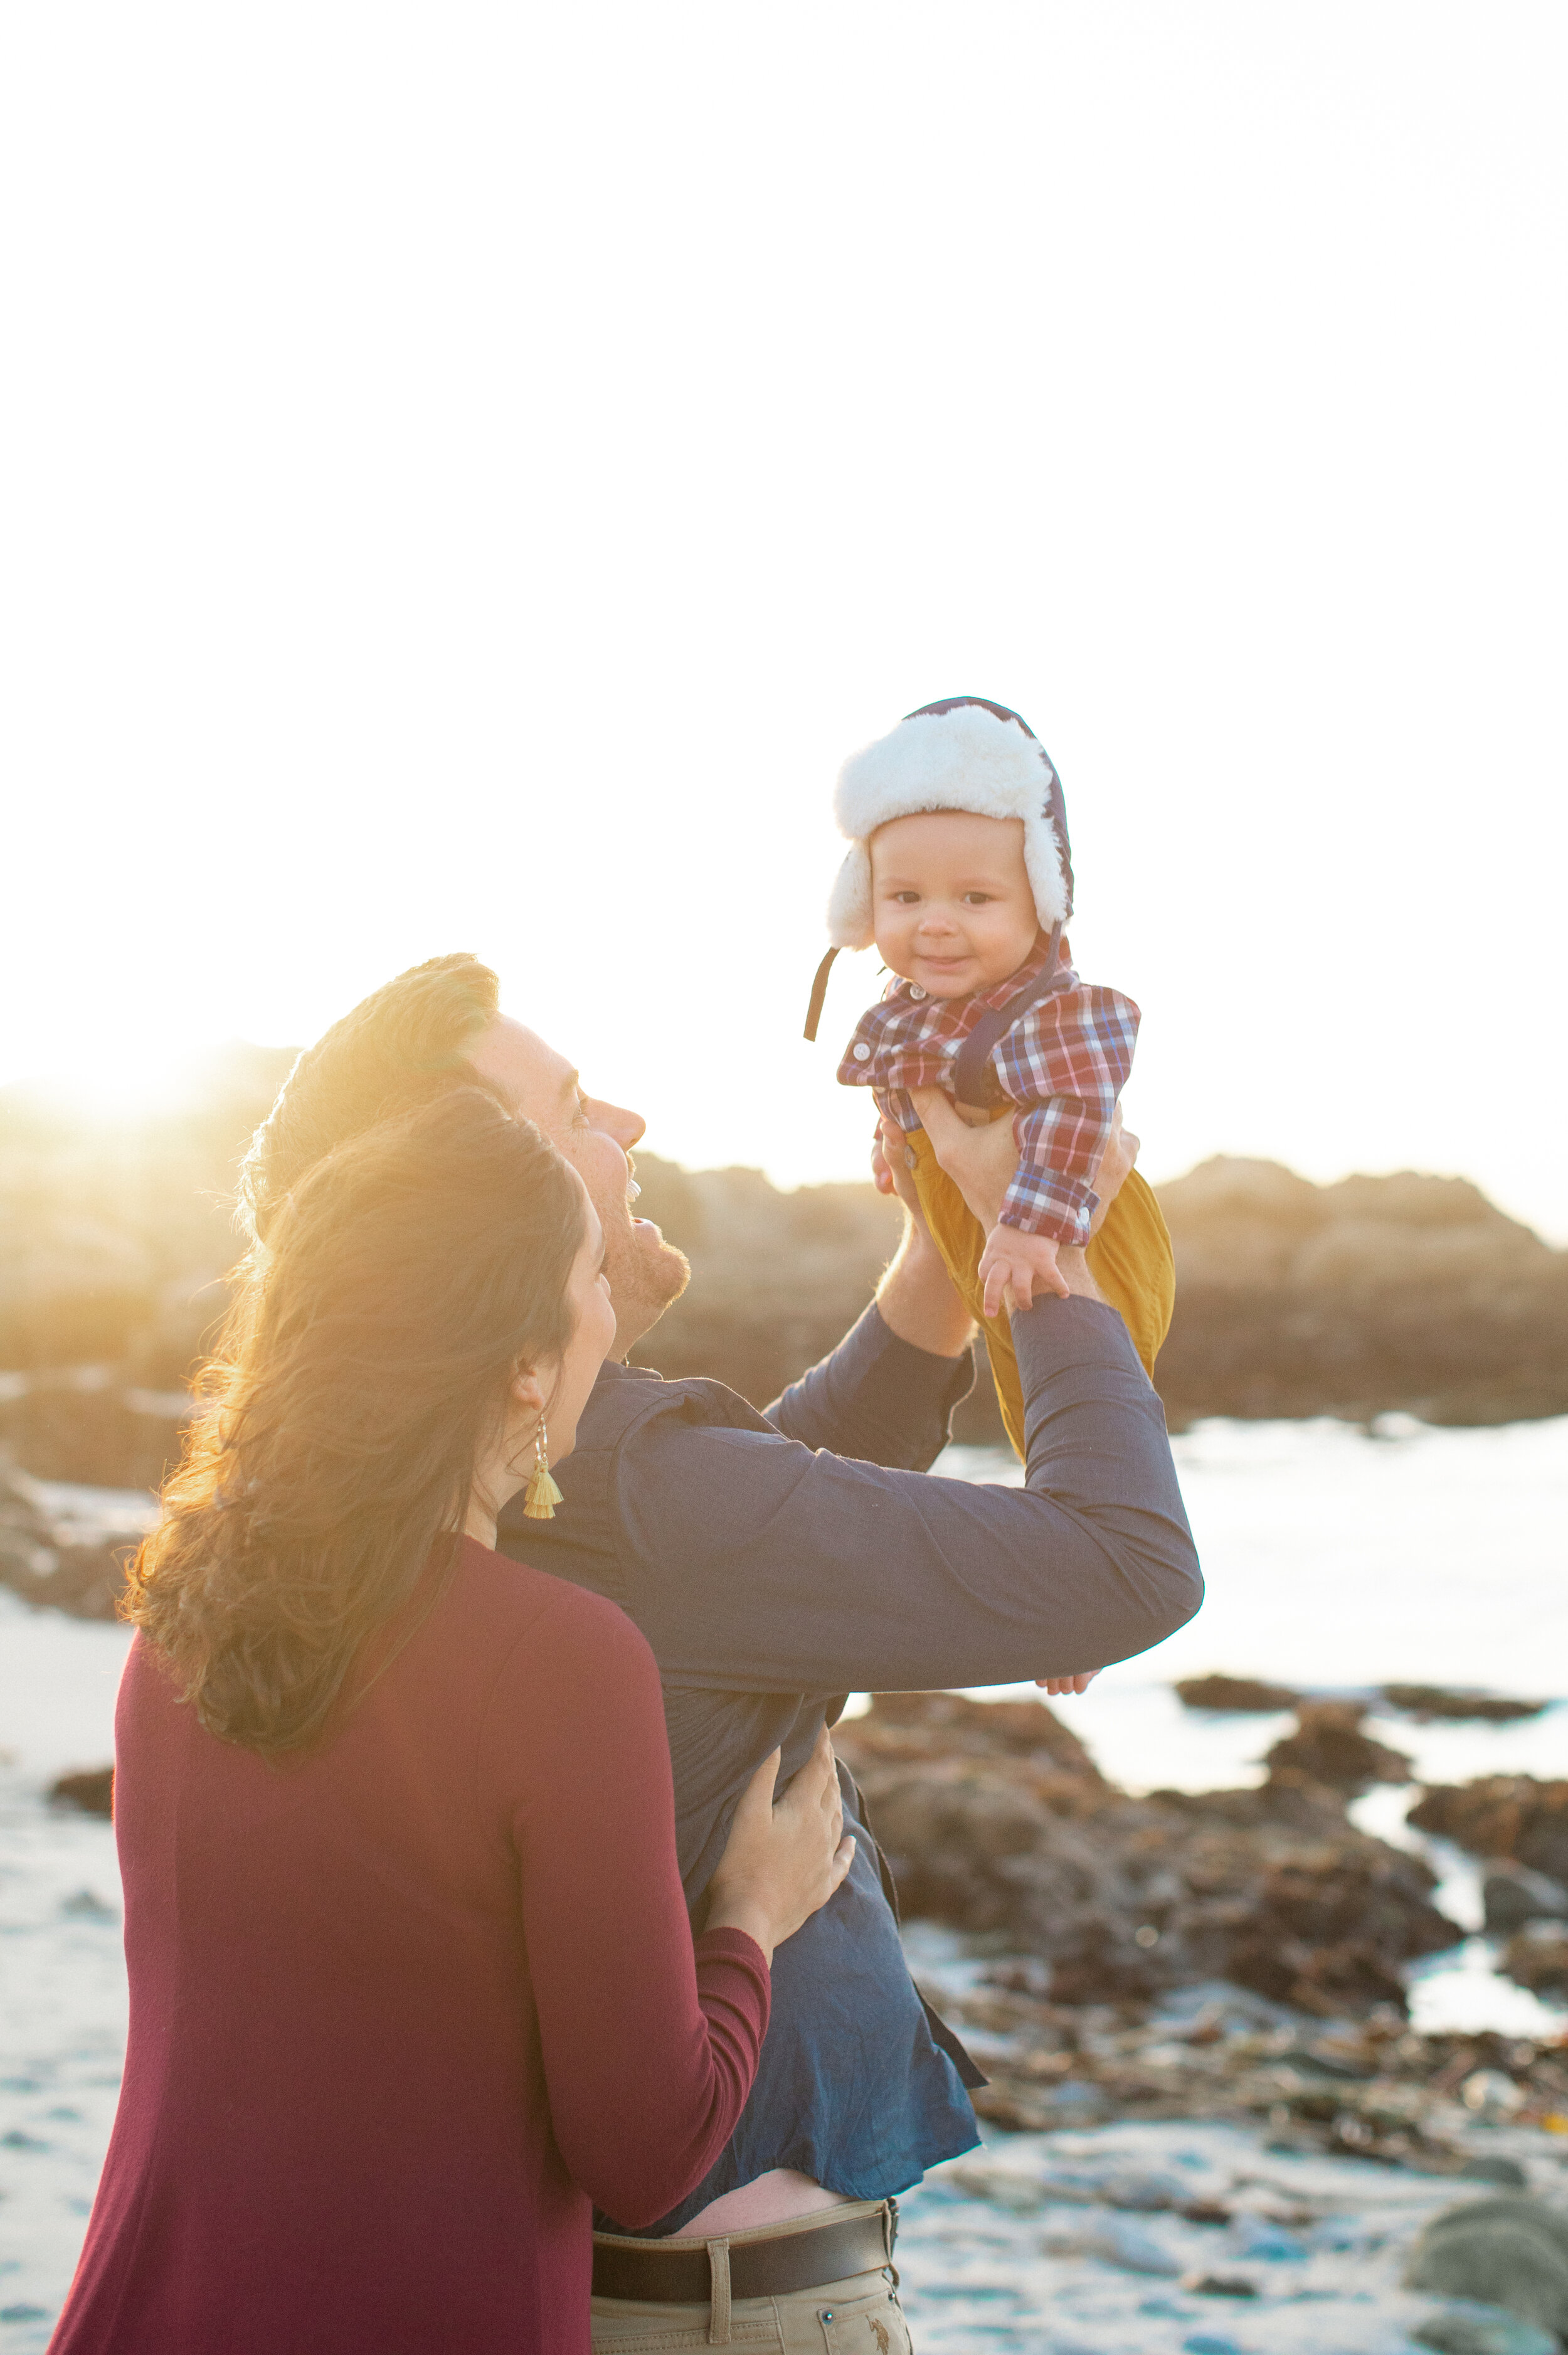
(114, 1081)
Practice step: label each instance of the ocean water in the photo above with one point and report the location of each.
(1336, 1559)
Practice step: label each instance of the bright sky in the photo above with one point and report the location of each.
(471, 475)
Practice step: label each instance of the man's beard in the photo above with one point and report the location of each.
(644, 1275)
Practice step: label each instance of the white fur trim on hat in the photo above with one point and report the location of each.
(965, 759)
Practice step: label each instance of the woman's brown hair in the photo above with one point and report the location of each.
(365, 1365)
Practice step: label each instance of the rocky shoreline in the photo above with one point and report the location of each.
(1223, 1954)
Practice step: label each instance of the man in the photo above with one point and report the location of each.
(774, 1563)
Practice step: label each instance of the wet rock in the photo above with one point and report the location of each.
(1467, 2328)
(91, 1790)
(1330, 1746)
(55, 1563)
(1510, 2252)
(1513, 1895)
(1118, 2243)
(1143, 2195)
(1219, 2285)
(1505, 2173)
(904, 1728)
(1491, 2096)
(991, 1824)
(1428, 1702)
(1240, 1695)
(1511, 1816)
(1538, 1958)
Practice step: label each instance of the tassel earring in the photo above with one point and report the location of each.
(541, 1496)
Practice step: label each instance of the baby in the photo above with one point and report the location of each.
(960, 872)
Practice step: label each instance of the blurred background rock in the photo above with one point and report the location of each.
(1402, 1292)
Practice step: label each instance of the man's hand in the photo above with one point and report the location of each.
(891, 1173)
(1116, 1164)
(1012, 1264)
(980, 1161)
(916, 1298)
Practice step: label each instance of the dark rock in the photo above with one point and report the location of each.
(1513, 1895)
(1378, 1293)
(1219, 2285)
(1508, 2252)
(1243, 1695)
(53, 1566)
(992, 1823)
(1428, 1702)
(1505, 2173)
(1467, 2329)
(1504, 1815)
(1328, 1746)
(1538, 1958)
(910, 1728)
(90, 1789)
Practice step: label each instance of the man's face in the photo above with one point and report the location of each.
(645, 1272)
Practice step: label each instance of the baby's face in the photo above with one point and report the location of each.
(951, 899)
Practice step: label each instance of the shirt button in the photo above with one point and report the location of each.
(862, 1052)
(916, 990)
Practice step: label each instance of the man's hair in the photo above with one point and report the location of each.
(401, 1046)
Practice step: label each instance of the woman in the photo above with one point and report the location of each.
(412, 1984)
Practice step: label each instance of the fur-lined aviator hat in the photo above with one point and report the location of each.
(965, 753)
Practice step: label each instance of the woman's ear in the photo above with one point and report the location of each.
(528, 1390)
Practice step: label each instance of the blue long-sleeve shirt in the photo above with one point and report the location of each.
(777, 1561)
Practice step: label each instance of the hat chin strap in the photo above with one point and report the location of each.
(819, 996)
(974, 1055)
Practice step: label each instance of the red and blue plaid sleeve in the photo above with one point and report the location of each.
(1066, 1062)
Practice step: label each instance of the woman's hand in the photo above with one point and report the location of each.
(784, 1860)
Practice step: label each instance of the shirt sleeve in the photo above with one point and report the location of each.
(876, 1397)
(1065, 1063)
(752, 1563)
(649, 2050)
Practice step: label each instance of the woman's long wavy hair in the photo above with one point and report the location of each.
(365, 1366)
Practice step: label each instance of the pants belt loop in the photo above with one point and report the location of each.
(718, 2318)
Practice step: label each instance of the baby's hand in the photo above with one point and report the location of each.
(1011, 1265)
(1057, 1687)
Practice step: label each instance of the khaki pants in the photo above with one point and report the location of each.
(859, 2316)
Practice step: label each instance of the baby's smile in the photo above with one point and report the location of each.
(952, 905)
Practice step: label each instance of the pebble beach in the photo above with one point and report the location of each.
(1335, 1559)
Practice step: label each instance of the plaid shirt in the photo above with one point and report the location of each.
(1064, 1062)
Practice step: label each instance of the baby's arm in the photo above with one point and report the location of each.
(1065, 1066)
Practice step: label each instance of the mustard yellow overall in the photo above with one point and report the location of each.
(1129, 1258)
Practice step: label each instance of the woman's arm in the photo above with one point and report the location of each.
(648, 2053)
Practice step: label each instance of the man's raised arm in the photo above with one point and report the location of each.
(886, 1394)
(751, 1564)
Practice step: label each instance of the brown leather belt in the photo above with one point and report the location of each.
(678, 2273)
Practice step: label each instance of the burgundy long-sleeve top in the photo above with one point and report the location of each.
(402, 2011)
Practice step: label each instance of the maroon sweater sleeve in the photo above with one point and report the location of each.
(649, 2049)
